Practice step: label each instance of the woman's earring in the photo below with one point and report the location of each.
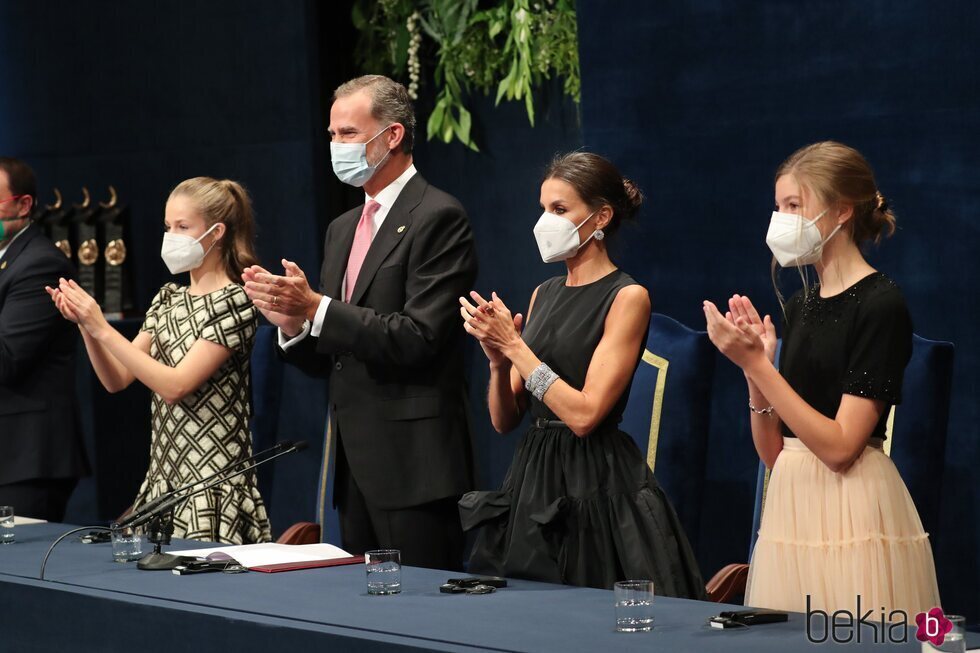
(599, 234)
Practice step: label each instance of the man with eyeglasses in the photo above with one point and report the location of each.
(41, 452)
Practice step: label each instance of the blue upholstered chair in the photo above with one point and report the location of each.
(327, 514)
(916, 434)
(917, 428)
(668, 416)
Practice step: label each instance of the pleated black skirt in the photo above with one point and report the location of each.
(581, 511)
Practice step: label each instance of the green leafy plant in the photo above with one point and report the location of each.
(501, 47)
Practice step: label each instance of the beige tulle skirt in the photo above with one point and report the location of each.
(834, 536)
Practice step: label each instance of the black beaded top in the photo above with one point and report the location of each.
(857, 342)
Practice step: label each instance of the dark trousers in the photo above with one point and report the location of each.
(428, 535)
(42, 498)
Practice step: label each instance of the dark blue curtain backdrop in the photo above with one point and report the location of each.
(699, 101)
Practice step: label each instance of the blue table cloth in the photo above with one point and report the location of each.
(88, 602)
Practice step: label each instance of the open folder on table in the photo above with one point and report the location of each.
(273, 557)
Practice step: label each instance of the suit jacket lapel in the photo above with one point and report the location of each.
(395, 226)
(16, 247)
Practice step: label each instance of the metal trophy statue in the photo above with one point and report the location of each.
(112, 229)
(55, 220)
(86, 243)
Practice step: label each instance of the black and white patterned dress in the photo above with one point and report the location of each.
(207, 429)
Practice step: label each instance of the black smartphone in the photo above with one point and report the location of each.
(473, 581)
(95, 537)
(755, 617)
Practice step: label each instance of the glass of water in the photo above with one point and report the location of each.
(954, 641)
(384, 571)
(634, 606)
(127, 544)
(6, 524)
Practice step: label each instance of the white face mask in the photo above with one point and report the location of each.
(183, 253)
(350, 164)
(794, 240)
(557, 237)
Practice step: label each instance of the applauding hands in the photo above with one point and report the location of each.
(740, 334)
(77, 306)
(492, 324)
(286, 301)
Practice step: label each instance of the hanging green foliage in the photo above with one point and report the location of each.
(500, 47)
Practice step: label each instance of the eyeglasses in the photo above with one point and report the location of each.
(12, 198)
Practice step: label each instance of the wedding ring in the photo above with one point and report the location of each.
(488, 309)
(275, 300)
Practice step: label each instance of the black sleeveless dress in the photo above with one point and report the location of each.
(580, 511)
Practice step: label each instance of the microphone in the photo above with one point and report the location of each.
(161, 527)
(173, 498)
(167, 502)
(148, 509)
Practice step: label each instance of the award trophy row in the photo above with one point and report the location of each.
(94, 236)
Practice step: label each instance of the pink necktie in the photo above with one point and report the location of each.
(359, 249)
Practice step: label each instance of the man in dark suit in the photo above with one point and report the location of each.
(41, 452)
(385, 327)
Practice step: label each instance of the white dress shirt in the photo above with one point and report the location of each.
(386, 198)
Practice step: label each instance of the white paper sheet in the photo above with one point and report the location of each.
(258, 555)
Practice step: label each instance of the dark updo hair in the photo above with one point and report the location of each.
(598, 182)
(833, 171)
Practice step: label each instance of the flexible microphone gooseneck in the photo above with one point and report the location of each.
(136, 517)
(166, 503)
(161, 517)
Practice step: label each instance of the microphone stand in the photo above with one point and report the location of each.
(158, 533)
(137, 516)
(160, 511)
(161, 518)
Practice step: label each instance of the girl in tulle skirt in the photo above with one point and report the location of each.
(838, 522)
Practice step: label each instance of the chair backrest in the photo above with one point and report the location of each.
(326, 512)
(303, 532)
(917, 427)
(668, 413)
(916, 432)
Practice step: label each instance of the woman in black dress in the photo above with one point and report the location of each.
(579, 504)
(838, 522)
